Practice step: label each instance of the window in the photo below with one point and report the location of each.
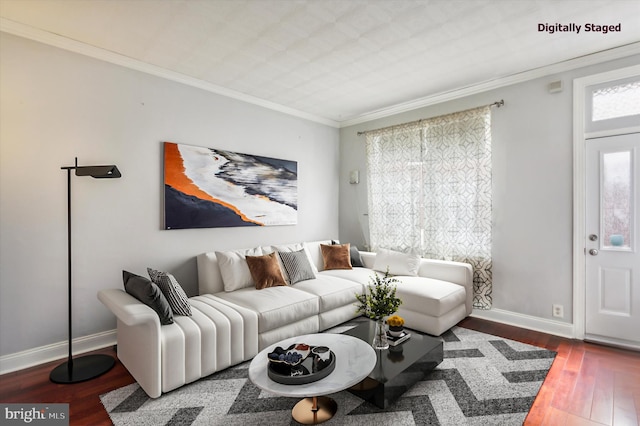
(430, 191)
(613, 105)
(617, 200)
(621, 100)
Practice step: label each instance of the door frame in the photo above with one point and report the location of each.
(580, 136)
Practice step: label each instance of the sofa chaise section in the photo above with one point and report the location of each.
(436, 299)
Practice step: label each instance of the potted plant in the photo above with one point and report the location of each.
(396, 324)
(377, 302)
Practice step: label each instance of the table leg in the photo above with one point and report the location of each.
(315, 410)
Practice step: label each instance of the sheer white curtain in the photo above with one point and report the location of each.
(430, 191)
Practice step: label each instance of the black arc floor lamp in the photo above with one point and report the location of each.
(84, 367)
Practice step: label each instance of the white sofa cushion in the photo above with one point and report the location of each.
(234, 269)
(333, 292)
(436, 297)
(396, 262)
(275, 306)
(362, 276)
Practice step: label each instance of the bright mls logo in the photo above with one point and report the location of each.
(35, 414)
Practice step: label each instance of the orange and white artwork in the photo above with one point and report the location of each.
(210, 188)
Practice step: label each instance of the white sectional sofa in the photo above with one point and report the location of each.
(231, 322)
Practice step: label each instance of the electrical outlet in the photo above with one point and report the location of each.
(558, 311)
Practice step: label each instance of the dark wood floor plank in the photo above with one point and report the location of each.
(610, 377)
(602, 407)
(582, 396)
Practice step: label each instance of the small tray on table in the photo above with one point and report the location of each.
(300, 364)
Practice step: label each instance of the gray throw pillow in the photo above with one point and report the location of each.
(172, 290)
(356, 259)
(297, 265)
(149, 294)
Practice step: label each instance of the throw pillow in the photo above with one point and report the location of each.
(149, 294)
(336, 256)
(172, 290)
(297, 247)
(315, 253)
(396, 262)
(296, 265)
(234, 270)
(265, 271)
(356, 259)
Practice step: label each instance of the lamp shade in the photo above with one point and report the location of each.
(98, 172)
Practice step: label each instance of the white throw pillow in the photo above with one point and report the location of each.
(234, 269)
(315, 254)
(397, 262)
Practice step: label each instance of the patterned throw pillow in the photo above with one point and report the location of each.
(149, 294)
(174, 293)
(297, 265)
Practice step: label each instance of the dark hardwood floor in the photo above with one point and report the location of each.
(588, 384)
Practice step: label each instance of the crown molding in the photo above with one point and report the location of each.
(35, 34)
(26, 31)
(568, 65)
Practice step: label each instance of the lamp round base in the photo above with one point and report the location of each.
(311, 411)
(82, 368)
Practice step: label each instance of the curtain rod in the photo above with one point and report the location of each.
(496, 104)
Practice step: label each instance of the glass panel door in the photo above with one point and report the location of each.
(616, 203)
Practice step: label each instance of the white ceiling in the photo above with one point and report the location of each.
(334, 60)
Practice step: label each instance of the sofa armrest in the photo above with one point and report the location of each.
(127, 308)
(368, 258)
(455, 272)
(139, 338)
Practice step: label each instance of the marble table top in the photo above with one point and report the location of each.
(355, 359)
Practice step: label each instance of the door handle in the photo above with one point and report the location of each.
(593, 252)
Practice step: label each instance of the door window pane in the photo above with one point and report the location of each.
(616, 199)
(622, 100)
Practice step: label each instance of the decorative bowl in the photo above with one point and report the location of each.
(291, 356)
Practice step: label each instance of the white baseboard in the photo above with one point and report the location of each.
(55, 351)
(529, 322)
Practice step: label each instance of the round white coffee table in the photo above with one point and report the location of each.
(355, 359)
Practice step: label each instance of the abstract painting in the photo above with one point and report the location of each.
(211, 188)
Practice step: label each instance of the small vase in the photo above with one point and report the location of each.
(380, 341)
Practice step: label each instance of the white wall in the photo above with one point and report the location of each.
(56, 105)
(532, 188)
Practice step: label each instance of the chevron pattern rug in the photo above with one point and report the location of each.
(483, 380)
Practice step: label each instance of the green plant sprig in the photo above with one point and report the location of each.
(380, 299)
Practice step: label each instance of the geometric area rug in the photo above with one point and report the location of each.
(483, 380)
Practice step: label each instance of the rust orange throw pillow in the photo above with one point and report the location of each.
(336, 256)
(265, 271)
